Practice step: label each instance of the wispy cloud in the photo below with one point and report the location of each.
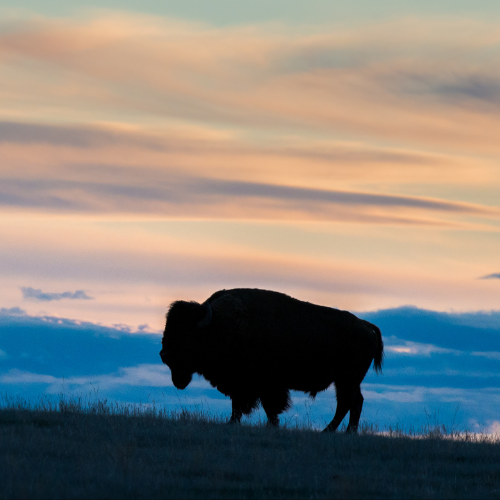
(451, 375)
(492, 276)
(487, 354)
(201, 142)
(243, 97)
(419, 349)
(37, 294)
(144, 375)
(175, 193)
(141, 375)
(341, 79)
(80, 137)
(419, 394)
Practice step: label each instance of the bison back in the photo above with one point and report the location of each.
(304, 346)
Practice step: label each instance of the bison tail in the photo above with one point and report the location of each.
(379, 353)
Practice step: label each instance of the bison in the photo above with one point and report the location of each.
(256, 345)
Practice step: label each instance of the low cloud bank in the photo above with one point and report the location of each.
(439, 366)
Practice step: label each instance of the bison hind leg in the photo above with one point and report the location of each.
(346, 399)
(355, 411)
(275, 402)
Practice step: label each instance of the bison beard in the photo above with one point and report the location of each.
(256, 345)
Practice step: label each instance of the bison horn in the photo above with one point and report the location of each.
(208, 315)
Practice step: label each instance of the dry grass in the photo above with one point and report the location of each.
(73, 449)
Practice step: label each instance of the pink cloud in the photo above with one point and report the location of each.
(394, 81)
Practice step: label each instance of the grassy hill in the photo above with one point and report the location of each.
(75, 450)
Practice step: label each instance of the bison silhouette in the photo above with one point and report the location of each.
(256, 345)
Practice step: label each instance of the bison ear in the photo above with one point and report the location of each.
(207, 317)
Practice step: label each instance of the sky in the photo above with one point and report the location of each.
(345, 153)
(439, 369)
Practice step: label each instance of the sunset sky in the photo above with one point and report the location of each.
(345, 153)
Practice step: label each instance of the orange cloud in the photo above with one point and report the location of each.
(172, 193)
(192, 174)
(397, 82)
(362, 125)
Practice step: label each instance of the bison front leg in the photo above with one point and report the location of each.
(274, 403)
(236, 413)
(272, 416)
(242, 405)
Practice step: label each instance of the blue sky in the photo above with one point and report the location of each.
(439, 369)
(223, 12)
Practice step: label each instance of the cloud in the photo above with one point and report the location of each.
(63, 348)
(37, 294)
(49, 355)
(265, 77)
(201, 142)
(455, 375)
(102, 176)
(420, 394)
(493, 428)
(244, 128)
(455, 331)
(478, 88)
(79, 145)
(20, 377)
(418, 349)
(80, 137)
(12, 311)
(141, 375)
(243, 190)
(487, 354)
(184, 195)
(491, 276)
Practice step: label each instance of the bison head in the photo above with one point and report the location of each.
(181, 339)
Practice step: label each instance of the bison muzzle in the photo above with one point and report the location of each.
(256, 345)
